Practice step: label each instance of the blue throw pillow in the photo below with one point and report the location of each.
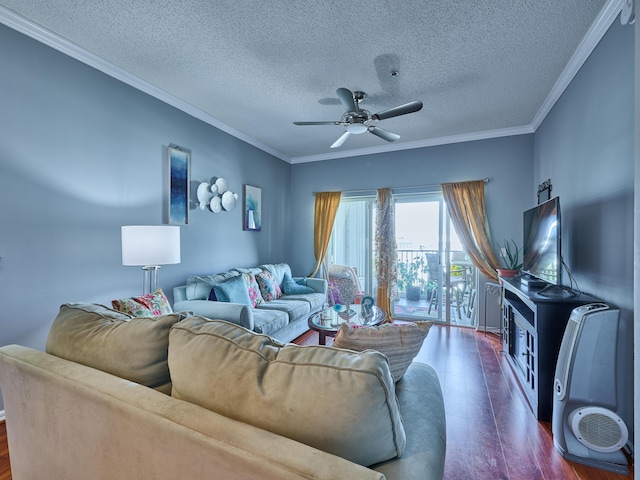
(233, 290)
(290, 287)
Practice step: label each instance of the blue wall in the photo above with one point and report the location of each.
(506, 162)
(586, 147)
(82, 154)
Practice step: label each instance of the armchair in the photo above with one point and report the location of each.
(344, 285)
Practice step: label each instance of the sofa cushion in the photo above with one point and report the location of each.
(399, 342)
(131, 348)
(269, 288)
(339, 401)
(315, 300)
(148, 305)
(268, 322)
(278, 270)
(233, 290)
(294, 308)
(253, 289)
(254, 270)
(199, 286)
(291, 287)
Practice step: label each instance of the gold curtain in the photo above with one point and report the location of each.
(386, 261)
(466, 206)
(327, 204)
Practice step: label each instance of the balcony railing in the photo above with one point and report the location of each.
(413, 270)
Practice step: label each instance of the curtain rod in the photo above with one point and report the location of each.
(373, 191)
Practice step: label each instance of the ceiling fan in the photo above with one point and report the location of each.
(358, 120)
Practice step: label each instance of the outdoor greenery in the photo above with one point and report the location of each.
(412, 274)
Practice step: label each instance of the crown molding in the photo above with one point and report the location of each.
(599, 27)
(589, 42)
(49, 38)
(432, 142)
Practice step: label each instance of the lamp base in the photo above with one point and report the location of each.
(150, 278)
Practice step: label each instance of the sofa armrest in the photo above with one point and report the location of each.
(179, 293)
(320, 285)
(422, 408)
(231, 312)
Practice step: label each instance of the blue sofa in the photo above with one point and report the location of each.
(284, 318)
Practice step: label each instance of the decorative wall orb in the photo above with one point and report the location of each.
(216, 204)
(228, 201)
(203, 194)
(221, 183)
(214, 189)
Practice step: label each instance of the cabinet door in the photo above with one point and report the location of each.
(532, 361)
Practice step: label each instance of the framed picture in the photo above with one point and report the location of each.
(544, 191)
(179, 166)
(252, 218)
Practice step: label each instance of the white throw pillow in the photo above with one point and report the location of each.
(400, 342)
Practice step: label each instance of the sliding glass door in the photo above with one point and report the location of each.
(436, 280)
(352, 240)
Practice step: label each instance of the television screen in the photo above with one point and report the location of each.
(541, 247)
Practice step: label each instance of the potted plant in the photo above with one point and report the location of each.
(510, 254)
(410, 277)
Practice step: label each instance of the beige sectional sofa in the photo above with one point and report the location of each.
(242, 405)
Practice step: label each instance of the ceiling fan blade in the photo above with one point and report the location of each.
(340, 140)
(410, 107)
(316, 123)
(346, 98)
(384, 134)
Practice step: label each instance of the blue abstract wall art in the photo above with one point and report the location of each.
(179, 161)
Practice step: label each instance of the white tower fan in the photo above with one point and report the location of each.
(587, 388)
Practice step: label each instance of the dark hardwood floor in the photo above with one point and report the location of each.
(5, 467)
(491, 433)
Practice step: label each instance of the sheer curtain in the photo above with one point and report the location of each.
(326, 207)
(466, 206)
(386, 261)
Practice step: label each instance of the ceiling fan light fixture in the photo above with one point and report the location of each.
(357, 120)
(356, 128)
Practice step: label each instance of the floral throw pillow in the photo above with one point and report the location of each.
(253, 289)
(148, 305)
(269, 288)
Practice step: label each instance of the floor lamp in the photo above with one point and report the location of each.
(149, 246)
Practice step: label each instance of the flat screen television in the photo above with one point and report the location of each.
(541, 254)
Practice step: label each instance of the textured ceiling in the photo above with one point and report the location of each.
(481, 67)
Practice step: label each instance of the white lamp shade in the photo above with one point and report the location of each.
(147, 245)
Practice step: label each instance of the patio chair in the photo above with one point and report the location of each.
(457, 284)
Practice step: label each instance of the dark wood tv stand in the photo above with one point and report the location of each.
(532, 329)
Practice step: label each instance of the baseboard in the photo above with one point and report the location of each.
(495, 330)
(2, 417)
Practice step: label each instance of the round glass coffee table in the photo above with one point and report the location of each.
(328, 321)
